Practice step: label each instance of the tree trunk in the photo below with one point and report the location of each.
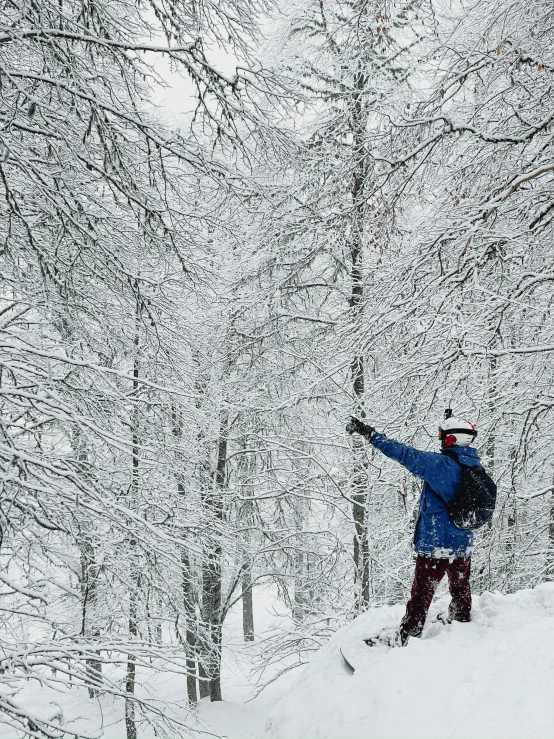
(299, 601)
(204, 681)
(212, 585)
(90, 571)
(549, 573)
(190, 599)
(130, 724)
(485, 576)
(360, 477)
(191, 625)
(247, 605)
(89, 590)
(299, 595)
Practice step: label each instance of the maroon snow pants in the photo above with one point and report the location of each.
(428, 574)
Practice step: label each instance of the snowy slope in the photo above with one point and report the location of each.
(490, 678)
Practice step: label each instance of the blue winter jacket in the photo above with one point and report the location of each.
(435, 534)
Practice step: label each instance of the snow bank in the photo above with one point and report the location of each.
(490, 678)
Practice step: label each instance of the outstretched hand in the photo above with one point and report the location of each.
(355, 426)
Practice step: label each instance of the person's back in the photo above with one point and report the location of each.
(441, 547)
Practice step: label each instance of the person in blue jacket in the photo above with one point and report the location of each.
(441, 547)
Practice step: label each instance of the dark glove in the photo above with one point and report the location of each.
(355, 426)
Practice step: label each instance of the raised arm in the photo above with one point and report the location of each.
(434, 468)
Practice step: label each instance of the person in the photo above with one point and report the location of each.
(440, 546)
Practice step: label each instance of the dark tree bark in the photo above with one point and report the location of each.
(357, 365)
(89, 589)
(211, 580)
(130, 724)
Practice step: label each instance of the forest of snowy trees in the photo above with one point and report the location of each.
(354, 215)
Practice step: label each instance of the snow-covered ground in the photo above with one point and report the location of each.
(241, 715)
(490, 678)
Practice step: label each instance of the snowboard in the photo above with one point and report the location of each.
(355, 653)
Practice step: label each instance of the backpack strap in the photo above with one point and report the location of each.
(454, 456)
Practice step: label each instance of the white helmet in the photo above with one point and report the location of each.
(455, 431)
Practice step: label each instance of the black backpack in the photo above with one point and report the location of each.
(473, 505)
